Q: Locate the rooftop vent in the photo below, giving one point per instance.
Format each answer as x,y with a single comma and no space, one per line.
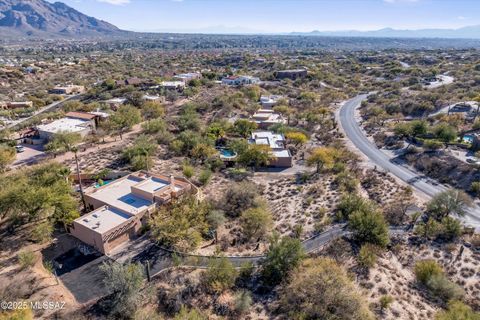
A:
86,220
95,215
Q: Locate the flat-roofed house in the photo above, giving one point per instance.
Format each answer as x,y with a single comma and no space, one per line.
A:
265,118
123,206
80,126
291,74
276,142
187,77
115,103
269,101
68,89
16,104
240,80
173,85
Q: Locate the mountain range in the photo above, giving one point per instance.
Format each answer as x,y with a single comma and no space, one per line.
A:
42,19
470,32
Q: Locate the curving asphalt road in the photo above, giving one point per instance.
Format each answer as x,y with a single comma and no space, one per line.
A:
420,182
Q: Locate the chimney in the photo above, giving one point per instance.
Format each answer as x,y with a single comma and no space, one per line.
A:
172,182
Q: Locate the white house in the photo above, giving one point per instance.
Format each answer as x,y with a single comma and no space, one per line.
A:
269,101
186,77
240,80
173,85
276,142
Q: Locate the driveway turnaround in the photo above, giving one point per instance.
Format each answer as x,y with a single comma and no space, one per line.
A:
402,171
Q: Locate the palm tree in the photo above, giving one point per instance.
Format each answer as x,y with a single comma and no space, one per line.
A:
67,142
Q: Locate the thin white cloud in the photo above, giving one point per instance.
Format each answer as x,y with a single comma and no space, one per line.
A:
115,2
462,18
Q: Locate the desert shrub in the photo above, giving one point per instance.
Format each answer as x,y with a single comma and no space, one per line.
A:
430,274
385,302
181,223
26,259
192,314
321,289
426,269
188,171
205,176
367,256
220,274
243,302
432,145
457,310
282,256
369,227
256,222
239,197
125,282
42,232
350,203
444,289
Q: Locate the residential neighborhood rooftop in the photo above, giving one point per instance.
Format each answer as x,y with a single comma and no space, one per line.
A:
103,219
118,194
65,125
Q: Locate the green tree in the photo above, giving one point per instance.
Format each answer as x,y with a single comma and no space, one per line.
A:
369,227
244,127
448,203
256,155
323,157
429,229
125,282
67,142
321,289
152,110
217,130
445,132
180,224
418,128
154,126
220,274
124,119
284,254
256,222
297,138
139,155
350,203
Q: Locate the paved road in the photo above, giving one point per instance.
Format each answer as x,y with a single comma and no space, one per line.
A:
405,173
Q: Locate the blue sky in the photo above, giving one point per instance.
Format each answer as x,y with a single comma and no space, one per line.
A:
280,15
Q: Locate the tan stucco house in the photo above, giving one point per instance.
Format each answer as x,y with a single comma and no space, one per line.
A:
122,207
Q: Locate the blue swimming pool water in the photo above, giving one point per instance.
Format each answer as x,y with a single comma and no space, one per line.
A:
97,185
468,138
227,153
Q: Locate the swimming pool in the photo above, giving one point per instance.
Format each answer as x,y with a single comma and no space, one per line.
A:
97,185
467,138
227,154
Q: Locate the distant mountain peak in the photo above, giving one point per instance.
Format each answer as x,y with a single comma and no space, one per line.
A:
469,32
44,19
